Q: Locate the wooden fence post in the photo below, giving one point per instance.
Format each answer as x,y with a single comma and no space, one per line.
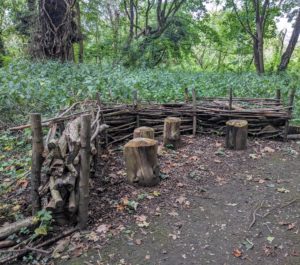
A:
85,151
194,112
278,96
230,98
37,160
290,111
135,106
186,95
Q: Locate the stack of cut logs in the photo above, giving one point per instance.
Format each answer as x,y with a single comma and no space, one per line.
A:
61,167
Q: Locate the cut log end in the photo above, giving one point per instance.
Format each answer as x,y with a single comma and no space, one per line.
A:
236,134
237,123
143,132
141,142
140,156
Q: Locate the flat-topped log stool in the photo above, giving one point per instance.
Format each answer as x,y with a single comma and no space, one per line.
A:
141,162
236,134
143,132
172,131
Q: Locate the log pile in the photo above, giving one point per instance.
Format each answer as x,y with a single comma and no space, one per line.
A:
63,157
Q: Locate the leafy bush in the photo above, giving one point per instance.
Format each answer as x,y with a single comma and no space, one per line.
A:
48,86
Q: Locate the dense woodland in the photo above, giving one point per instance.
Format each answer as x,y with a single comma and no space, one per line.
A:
55,51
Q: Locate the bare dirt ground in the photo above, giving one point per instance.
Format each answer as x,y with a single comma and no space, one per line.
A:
213,206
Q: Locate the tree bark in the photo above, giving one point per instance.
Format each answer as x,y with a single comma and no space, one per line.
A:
285,59
236,134
140,156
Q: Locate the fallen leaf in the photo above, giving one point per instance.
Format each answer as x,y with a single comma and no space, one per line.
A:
156,193
147,257
103,229
253,156
93,237
291,226
23,183
60,247
173,213
181,199
268,150
270,239
140,218
282,190
143,224
138,241
237,253
174,237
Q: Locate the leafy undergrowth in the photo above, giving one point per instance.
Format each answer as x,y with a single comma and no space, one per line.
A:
48,86
15,162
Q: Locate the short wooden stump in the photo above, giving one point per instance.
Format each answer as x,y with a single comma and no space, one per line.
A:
143,132
172,131
236,134
140,155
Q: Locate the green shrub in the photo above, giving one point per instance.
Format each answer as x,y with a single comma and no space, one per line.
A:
48,86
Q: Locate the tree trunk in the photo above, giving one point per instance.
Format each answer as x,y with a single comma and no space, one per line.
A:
57,30
236,134
172,132
291,46
140,156
143,132
81,47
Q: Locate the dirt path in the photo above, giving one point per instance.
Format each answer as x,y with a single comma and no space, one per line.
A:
203,212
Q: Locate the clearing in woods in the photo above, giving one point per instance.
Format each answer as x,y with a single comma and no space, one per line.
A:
213,206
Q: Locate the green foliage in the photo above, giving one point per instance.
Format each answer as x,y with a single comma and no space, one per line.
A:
45,219
48,86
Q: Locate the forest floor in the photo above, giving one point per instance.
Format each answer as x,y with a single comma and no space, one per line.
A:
212,206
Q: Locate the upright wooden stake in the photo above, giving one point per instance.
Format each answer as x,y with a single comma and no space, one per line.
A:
291,100
278,96
135,106
290,111
37,160
186,95
194,114
85,151
230,98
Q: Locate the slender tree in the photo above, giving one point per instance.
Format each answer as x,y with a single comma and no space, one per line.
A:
260,10
285,58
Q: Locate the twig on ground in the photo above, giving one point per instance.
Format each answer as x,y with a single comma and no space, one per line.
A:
38,247
254,214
